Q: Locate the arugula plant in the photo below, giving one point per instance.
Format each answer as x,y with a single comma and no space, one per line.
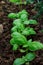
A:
19,33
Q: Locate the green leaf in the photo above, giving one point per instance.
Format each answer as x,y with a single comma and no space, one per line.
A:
30,40
34,46
30,56
26,45
17,22
24,17
27,63
18,61
30,22
19,38
12,41
14,29
22,51
19,25
18,2
28,31
12,15
22,12
14,1
15,47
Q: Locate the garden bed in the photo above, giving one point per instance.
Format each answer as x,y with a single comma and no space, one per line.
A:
7,55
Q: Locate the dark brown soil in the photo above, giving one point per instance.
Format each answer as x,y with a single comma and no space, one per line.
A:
7,55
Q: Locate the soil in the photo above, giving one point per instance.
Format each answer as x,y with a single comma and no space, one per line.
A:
7,55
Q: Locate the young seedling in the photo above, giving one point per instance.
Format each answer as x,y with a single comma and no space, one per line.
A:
28,57
19,37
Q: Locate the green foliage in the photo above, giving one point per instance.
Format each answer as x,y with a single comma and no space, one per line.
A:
15,47
19,38
28,31
18,61
18,15
14,29
24,17
14,1
17,22
18,2
22,50
12,41
18,25
28,57
22,12
19,35
34,46
31,22
12,15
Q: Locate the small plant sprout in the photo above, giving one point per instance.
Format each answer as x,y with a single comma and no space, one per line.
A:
12,15
19,34
28,57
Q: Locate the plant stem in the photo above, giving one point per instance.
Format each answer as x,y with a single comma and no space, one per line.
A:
20,5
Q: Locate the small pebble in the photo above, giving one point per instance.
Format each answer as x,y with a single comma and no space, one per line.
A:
1,28
3,2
